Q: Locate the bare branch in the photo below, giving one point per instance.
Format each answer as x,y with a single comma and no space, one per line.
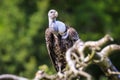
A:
78,60
11,77
109,50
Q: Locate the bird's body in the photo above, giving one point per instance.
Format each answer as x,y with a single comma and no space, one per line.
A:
59,38
57,46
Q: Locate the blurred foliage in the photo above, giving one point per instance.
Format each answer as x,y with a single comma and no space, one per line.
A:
23,23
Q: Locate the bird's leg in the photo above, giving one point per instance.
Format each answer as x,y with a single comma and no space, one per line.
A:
59,65
60,74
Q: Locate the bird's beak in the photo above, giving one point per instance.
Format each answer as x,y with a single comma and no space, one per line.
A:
56,14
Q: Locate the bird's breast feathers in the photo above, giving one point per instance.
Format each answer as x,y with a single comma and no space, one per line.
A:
61,27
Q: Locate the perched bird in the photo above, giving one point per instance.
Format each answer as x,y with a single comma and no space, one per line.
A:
59,38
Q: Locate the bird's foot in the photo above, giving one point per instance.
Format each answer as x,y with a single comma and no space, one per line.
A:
60,74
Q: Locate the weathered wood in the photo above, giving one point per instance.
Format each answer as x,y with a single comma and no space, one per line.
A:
77,61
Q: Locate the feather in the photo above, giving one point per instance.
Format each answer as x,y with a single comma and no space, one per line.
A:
59,38
61,27
57,46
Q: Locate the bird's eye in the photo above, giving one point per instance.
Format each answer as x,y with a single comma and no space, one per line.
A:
51,12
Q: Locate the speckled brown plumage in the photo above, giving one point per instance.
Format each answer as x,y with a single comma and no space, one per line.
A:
57,46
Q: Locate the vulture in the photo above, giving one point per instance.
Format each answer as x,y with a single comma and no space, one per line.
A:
59,38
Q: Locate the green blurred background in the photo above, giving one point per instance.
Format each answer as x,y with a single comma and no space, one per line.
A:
23,23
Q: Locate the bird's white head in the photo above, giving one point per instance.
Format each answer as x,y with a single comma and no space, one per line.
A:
52,14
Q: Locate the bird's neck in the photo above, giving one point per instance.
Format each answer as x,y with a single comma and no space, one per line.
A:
51,21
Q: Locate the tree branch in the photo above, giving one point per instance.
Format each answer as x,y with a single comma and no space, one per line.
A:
11,77
78,60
